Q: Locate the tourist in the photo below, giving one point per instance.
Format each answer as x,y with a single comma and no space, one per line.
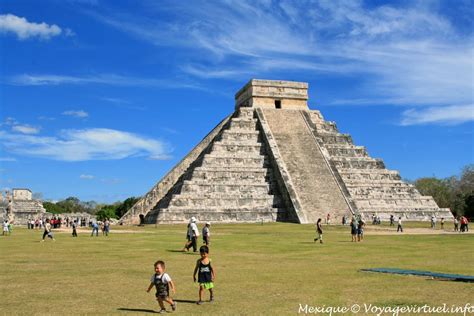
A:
95,228
102,228
107,227
162,282
360,230
206,234
399,227
206,274
456,224
74,227
433,222
319,230
5,228
392,220
442,223
47,231
328,219
464,224
10,228
354,229
193,232
344,220
188,237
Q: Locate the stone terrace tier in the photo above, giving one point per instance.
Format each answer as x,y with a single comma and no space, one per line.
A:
373,188
232,183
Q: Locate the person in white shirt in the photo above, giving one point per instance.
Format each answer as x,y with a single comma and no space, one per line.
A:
399,228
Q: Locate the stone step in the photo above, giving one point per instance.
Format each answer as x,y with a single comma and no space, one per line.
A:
358,163
372,182
232,202
210,160
255,148
330,138
226,175
245,113
229,142
220,195
347,152
369,177
388,209
231,135
221,215
229,188
244,124
395,202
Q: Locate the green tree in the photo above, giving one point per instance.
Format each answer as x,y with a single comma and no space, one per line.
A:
438,189
53,208
107,211
125,206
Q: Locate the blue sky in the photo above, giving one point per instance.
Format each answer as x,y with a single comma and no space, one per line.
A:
99,99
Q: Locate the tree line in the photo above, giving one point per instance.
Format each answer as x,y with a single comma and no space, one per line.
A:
100,210
455,192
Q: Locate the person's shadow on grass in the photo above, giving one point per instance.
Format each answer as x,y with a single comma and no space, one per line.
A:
137,310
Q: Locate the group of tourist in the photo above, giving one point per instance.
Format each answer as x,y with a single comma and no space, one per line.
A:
464,224
192,235
103,225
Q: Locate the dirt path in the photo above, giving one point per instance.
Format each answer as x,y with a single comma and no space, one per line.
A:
377,230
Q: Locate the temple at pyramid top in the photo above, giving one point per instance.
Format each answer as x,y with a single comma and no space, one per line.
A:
273,94
274,159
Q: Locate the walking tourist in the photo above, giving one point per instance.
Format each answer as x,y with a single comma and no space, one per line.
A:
47,231
95,228
399,227
74,227
354,229
319,230
206,234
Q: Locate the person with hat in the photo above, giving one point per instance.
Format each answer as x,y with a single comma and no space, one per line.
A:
193,234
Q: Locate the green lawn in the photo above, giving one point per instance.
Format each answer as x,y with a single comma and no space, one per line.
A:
265,269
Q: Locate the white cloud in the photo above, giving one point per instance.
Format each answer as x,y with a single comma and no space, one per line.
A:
402,54
8,159
86,176
78,113
86,144
455,114
25,129
46,118
105,79
24,29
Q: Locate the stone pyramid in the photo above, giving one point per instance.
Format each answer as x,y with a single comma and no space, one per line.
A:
274,159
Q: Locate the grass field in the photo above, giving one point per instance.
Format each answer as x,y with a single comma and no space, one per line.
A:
261,269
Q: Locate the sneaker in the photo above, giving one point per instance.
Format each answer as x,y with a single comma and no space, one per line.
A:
199,302
162,311
173,307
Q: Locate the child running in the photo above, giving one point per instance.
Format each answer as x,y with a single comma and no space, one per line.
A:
206,275
163,283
